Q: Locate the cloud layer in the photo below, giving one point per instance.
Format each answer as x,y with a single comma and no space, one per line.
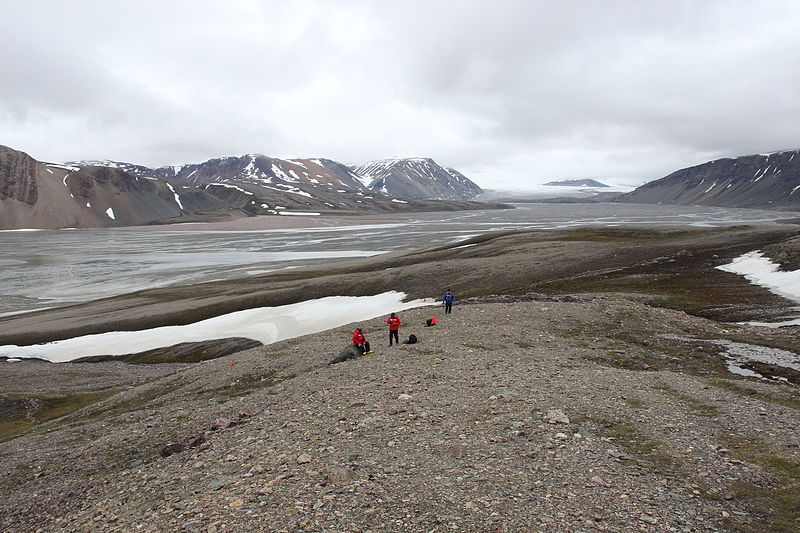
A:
510,92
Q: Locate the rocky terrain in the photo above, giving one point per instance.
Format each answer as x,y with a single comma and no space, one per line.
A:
755,181
556,414
596,403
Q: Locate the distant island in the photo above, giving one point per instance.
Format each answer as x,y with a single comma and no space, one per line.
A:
576,183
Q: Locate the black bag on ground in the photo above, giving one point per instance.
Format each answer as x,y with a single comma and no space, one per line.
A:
412,339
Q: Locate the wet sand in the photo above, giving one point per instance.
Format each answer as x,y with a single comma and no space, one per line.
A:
270,222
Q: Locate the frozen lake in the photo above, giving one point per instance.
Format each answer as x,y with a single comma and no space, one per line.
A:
41,269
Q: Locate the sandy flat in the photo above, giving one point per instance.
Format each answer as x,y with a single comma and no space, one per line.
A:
268,222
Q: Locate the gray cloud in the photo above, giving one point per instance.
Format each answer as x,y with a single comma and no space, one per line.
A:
511,92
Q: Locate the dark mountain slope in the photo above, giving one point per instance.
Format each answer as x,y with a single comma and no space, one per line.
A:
754,181
417,178
42,195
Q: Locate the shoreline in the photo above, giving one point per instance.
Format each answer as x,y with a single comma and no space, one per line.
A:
658,264
270,222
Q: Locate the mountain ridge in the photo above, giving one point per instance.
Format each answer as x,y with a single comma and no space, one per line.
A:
106,193
768,180
417,178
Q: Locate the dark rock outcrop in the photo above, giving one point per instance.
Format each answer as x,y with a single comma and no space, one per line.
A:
17,176
185,352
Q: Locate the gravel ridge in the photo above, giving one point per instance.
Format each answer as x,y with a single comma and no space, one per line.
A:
504,417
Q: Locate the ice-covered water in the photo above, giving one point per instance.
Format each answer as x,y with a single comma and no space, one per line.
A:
47,268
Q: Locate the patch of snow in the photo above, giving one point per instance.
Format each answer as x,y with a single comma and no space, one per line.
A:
177,198
299,213
266,324
88,204
110,213
229,186
399,201
65,167
50,171
712,186
759,270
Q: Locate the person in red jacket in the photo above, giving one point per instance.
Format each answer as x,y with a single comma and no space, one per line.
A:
360,342
394,326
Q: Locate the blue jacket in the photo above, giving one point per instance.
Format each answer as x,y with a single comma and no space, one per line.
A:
449,297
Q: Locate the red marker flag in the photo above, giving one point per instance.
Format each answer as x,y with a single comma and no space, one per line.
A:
433,320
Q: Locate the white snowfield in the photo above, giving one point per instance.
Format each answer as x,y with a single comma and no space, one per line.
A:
758,269
265,324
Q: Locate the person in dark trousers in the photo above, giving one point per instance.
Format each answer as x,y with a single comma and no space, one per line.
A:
394,326
448,300
360,342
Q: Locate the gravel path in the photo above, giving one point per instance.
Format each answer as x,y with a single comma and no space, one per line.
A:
511,421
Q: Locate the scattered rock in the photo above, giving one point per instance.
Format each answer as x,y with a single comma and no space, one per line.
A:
339,474
555,416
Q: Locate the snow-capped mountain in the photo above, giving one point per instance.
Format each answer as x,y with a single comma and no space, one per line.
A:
769,180
416,178
266,171
107,193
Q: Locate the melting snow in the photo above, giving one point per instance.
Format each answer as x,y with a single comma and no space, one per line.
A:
758,269
110,213
266,324
399,201
298,213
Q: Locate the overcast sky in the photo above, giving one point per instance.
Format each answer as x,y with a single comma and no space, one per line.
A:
510,92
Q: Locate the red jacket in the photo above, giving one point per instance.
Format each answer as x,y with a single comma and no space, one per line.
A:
394,323
358,338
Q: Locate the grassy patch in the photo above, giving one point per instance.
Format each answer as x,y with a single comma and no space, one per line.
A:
635,403
476,346
245,385
789,399
18,415
696,406
525,345
776,507
639,446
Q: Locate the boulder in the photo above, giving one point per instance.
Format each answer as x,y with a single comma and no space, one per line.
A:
351,352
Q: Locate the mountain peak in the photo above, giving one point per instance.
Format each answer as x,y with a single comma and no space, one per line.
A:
416,178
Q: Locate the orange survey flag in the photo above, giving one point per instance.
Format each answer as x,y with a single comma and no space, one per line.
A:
433,320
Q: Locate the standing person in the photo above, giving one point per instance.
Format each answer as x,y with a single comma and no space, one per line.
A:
394,326
448,300
360,342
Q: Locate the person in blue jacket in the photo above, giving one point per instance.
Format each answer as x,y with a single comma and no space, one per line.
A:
448,300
